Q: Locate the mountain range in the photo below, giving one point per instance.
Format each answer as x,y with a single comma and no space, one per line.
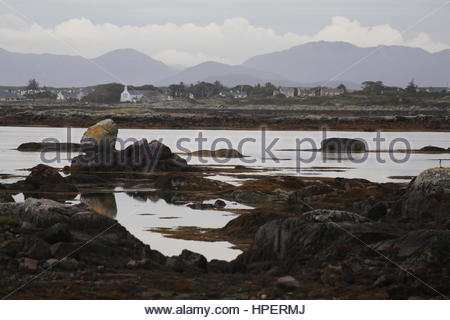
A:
306,65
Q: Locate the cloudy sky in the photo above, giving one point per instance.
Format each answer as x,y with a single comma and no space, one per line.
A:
187,32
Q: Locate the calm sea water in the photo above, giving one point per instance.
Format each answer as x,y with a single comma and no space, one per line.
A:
139,214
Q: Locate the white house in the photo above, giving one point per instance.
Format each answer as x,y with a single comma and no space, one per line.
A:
76,94
135,95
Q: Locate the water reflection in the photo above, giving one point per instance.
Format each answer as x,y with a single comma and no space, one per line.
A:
102,203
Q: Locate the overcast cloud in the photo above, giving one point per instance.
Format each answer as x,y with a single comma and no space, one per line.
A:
232,38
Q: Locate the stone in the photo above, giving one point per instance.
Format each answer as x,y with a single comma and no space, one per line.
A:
42,174
428,196
64,249
343,145
11,247
4,196
68,264
220,204
36,248
100,138
49,147
59,232
433,149
333,275
188,261
288,283
29,264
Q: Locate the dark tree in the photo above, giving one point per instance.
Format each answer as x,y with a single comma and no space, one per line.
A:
33,85
412,87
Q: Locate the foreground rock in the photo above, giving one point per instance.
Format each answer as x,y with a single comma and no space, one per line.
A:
428,196
343,145
45,229
338,248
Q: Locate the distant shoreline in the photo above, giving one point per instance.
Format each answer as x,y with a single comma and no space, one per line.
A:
197,117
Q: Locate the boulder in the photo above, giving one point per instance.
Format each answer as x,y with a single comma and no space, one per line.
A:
188,261
288,283
100,138
317,237
343,145
46,182
432,149
428,196
141,156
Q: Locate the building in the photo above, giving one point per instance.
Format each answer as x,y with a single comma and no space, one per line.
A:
330,92
288,92
434,89
71,95
136,96
10,96
238,94
391,90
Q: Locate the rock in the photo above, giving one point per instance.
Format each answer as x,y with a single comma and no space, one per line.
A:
314,238
100,138
377,212
201,206
68,264
5,197
42,213
288,283
49,184
59,232
428,196
188,261
343,145
64,249
433,149
49,147
220,153
11,247
29,264
36,248
220,204
42,175
141,156
419,249
333,275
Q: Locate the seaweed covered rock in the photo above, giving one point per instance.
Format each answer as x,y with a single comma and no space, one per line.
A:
428,195
343,145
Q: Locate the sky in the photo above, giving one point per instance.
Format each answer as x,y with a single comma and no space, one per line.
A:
188,32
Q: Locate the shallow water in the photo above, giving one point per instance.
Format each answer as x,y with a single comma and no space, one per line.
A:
133,212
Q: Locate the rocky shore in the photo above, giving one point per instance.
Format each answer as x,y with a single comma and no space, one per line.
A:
350,118
303,238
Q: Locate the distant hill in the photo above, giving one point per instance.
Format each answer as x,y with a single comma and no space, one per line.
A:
211,71
307,65
128,65
320,61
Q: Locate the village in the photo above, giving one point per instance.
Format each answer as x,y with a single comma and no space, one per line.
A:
123,93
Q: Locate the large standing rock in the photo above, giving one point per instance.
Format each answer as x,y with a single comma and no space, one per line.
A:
428,196
343,145
317,237
101,137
